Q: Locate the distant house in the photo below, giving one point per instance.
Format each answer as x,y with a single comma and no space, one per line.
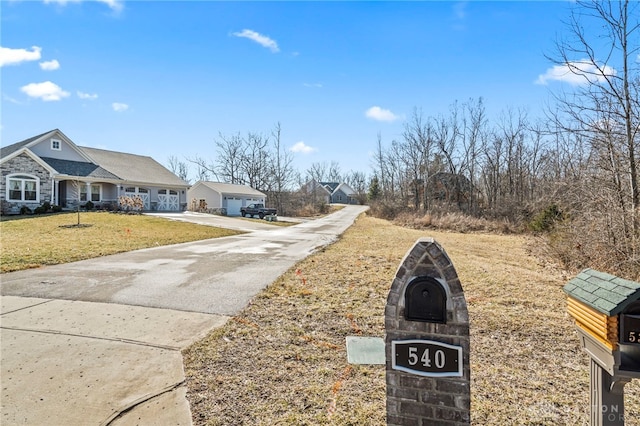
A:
330,192
51,168
341,193
449,187
226,198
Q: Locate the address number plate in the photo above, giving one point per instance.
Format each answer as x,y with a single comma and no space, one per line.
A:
426,358
630,330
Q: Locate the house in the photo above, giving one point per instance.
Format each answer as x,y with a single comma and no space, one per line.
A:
226,198
341,193
329,192
315,193
51,168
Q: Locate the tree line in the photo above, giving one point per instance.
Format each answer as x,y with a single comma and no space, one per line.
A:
262,162
572,173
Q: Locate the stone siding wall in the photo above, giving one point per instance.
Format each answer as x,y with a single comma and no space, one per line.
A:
24,164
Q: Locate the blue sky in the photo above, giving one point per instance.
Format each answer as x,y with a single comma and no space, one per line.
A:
163,78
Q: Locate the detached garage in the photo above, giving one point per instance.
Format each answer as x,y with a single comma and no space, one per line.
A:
222,197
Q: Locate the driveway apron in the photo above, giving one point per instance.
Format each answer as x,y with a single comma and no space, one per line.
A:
99,341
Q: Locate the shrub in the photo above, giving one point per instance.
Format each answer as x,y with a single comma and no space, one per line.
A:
25,210
384,210
88,206
546,219
56,209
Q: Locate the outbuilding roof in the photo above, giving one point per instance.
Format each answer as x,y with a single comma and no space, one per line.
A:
231,188
604,292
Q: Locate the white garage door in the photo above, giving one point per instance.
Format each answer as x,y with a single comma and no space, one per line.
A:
233,206
168,199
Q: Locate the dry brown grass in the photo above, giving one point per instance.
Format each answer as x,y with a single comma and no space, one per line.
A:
34,241
282,361
457,222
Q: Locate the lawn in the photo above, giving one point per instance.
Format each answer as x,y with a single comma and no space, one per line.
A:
34,241
282,360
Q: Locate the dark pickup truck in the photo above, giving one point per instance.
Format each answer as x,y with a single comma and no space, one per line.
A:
257,210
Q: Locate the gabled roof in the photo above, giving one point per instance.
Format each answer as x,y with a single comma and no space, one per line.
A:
132,167
230,188
345,188
100,164
8,150
604,292
28,143
331,186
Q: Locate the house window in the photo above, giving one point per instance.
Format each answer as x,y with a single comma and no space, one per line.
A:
95,193
22,188
56,145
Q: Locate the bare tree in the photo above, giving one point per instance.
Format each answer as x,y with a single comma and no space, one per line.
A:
231,152
358,182
282,172
255,161
604,111
334,174
178,168
475,128
416,152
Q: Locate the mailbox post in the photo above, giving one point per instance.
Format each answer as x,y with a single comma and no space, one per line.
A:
606,310
427,341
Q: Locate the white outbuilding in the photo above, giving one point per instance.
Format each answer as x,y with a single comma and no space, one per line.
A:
222,197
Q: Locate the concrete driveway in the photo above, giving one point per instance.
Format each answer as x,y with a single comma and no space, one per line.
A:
98,342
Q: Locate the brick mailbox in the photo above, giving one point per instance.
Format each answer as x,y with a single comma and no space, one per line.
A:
427,341
606,310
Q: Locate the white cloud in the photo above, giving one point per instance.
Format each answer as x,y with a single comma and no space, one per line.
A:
115,5
10,99
302,147
50,65
576,73
262,40
317,85
379,114
47,91
119,107
10,56
89,96
460,10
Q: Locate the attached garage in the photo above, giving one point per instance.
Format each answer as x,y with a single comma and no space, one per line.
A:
168,199
225,198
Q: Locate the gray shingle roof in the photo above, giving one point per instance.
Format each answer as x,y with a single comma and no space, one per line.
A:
604,292
80,169
10,149
106,165
230,188
133,168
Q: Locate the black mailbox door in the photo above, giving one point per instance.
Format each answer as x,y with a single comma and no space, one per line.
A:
630,324
425,300
630,329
